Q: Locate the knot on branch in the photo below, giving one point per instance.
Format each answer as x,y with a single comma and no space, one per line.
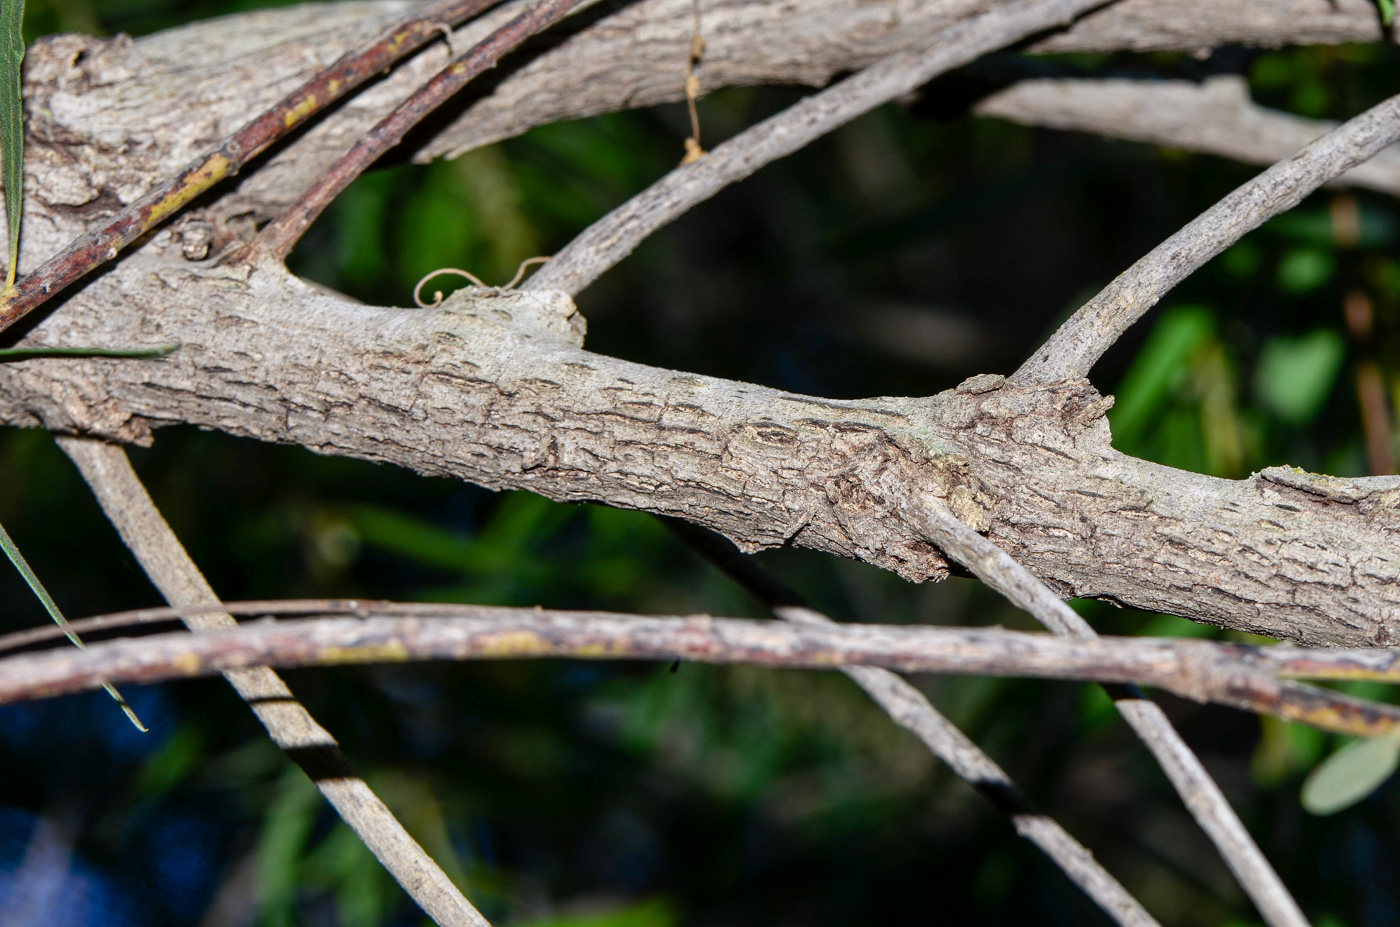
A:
550,313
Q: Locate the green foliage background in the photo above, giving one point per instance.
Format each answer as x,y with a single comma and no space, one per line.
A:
904,253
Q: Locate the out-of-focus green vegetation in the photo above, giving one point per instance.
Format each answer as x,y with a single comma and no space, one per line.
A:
900,255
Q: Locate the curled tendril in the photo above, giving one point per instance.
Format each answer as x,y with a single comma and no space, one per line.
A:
437,294
520,271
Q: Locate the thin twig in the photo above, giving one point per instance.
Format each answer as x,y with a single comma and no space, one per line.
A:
95,248
1216,116
911,709
125,501
1085,336
617,234
1198,790
278,238
1281,660
1190,669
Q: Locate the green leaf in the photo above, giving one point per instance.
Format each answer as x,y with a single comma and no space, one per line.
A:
1159,363
1303,270
1387,11
1350,774
42,594
12,126
17,354
1295,375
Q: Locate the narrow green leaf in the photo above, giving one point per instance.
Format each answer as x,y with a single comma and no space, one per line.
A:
12,125
42,594
14,354
1387,11
1350,774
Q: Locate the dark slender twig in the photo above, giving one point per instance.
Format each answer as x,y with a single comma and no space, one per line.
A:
280,235
95,248
617,234
1094,328
149,538
911,709
1188,775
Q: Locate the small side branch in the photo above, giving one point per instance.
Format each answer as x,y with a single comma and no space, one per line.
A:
1091,331
95,248
279,236
616,235
1188,775
125,501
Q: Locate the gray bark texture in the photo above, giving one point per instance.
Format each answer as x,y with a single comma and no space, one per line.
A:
496,388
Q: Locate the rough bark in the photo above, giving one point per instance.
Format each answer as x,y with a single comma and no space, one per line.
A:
497,390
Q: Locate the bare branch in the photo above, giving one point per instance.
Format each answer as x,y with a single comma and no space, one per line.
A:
617,234
1371,664
125,501
911,710
1198,670
1193,783
1080,341
1214,117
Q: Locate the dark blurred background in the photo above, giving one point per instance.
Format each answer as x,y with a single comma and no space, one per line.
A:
898,256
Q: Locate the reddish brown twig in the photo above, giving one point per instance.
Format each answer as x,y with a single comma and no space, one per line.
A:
280,235
95,248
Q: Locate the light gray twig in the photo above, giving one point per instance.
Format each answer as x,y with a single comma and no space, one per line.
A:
617,234
1198,790
1085,336
911,710
1216,116
146,533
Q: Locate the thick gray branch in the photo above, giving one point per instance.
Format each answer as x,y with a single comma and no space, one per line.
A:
495,390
